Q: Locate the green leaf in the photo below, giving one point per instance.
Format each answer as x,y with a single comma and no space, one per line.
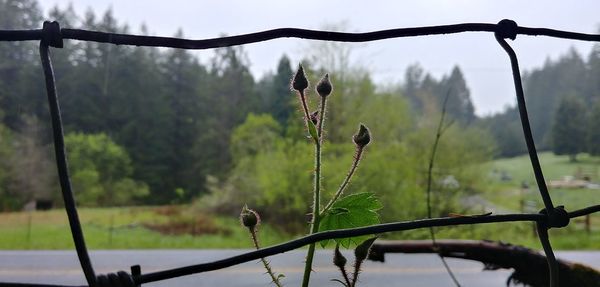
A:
351,211
312,130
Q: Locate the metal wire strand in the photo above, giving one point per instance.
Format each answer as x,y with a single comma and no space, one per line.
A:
542,232
153,41
62,166
507,29
535,162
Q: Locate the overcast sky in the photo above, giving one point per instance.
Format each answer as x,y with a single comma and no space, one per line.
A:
485,65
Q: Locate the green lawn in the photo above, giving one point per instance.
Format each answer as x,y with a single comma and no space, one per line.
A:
50,230
508,193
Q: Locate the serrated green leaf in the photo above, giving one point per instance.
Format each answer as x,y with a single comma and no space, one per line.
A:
351,211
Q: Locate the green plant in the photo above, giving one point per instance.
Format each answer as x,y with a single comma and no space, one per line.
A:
341,211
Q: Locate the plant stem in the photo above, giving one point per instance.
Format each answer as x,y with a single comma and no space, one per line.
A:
357,265
315,218
345,275
304,107
338,193
440,130
264,261
317,193
321,118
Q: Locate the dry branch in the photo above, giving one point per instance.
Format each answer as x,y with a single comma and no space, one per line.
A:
530,266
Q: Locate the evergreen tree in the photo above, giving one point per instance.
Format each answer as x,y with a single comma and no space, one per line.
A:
230,97
275,92
545,88
593,140
459,104
18,59
182,75
413,78
569,128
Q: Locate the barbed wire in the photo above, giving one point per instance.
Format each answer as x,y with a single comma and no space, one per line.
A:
52,35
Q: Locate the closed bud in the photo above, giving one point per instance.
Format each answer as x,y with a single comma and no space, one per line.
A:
249,218
314,117
338,258
362,250
324,86
300,83
363,137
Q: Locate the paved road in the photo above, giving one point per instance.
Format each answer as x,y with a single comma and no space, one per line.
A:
61,267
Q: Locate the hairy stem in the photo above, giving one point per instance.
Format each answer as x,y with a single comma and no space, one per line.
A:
345,275
340,191
357,266
263,260
322,118
304,107
316,216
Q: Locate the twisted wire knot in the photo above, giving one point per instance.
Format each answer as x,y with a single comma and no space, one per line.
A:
120,279
558,218
507,29
51,35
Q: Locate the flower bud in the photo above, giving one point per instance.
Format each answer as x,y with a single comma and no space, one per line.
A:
249,218
363,137
338,258
362,250
300,83
314,117
324,86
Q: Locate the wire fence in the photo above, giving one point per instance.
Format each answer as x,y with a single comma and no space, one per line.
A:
52,35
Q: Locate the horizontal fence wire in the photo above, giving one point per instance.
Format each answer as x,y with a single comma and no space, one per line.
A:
53,36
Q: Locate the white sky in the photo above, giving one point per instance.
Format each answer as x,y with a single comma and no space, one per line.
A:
485,65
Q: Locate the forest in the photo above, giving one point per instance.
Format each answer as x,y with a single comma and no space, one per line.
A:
149,126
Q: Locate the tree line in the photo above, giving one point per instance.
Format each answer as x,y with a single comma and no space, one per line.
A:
156,126
563,101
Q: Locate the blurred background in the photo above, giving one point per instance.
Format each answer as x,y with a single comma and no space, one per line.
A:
165,146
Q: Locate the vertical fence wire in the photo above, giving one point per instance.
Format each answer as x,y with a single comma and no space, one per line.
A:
63,170
52,35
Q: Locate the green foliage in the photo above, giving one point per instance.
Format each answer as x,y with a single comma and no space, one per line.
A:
459,156
569,128
101,171
275,92
593,133
426,94
355,210
8,200
259,133
392,173
506,130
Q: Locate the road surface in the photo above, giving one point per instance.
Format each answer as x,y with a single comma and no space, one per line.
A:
62,267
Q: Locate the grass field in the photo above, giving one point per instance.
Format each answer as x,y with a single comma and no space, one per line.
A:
507,194
50,230
184,227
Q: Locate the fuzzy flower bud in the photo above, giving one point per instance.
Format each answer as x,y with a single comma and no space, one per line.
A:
338,258
324,86
249,218
300,82
362,250
363,137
